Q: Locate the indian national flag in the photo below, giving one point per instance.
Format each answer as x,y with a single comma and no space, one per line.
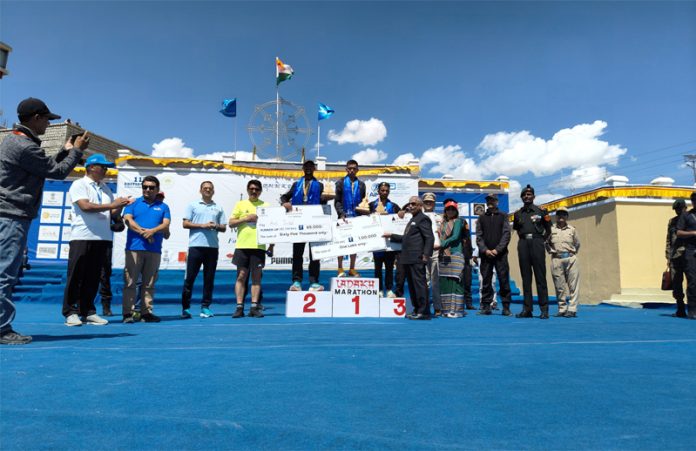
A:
283,71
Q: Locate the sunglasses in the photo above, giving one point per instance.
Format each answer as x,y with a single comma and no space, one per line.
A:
149,187
253,188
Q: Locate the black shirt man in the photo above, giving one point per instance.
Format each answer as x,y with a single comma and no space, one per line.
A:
686,230
492,239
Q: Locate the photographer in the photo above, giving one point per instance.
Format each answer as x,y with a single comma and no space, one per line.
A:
24,166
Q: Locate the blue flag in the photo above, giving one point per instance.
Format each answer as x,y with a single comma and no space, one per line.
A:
229,108
325,112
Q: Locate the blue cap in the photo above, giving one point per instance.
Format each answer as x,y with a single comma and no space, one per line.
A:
100,159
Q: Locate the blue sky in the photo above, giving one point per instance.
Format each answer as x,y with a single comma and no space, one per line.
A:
557,94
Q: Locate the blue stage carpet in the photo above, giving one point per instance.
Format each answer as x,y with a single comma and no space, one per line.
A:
611,379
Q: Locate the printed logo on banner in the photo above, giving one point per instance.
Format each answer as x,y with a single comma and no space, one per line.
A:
52,199
47,250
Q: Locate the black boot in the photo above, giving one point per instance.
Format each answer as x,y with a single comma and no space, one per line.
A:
681,309
506,309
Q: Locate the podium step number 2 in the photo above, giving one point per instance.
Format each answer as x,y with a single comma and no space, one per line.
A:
316,304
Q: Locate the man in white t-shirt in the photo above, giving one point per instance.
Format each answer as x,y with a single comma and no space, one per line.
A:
93,205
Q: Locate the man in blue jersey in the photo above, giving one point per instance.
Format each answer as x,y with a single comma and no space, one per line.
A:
148,224
350,191
204,219
305,191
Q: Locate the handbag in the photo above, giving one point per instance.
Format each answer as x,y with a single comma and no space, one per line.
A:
667,280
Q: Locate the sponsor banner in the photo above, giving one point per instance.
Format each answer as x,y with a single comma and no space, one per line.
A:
303,224
351,236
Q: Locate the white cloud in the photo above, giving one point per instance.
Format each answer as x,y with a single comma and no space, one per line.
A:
403,159
366,133
451,160
582,177
171,147
578,148
517,153
369,156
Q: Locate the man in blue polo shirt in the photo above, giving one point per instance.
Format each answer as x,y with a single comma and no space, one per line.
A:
148,224
204,219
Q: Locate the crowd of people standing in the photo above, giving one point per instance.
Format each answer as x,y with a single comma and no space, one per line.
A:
436,262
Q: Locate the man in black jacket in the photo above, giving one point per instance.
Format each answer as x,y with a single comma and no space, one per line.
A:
416,248
492,239
533,226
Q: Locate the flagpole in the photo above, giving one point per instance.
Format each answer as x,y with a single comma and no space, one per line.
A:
277,123
318,136
277,112
235,135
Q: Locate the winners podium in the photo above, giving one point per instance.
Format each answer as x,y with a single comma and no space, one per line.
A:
349,297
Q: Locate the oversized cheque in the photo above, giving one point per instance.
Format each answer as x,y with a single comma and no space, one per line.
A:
352,236
395,226
303,224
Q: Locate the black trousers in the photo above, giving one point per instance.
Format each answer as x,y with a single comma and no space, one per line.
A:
532,257
502,270
197,256
105,279
467,279
387,260
400,278
297,260
677,268
690,274
85,262
417,287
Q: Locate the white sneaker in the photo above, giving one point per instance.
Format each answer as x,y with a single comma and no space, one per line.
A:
391,294
73,320
96,320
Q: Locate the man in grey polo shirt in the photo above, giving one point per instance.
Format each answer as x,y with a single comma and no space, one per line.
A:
93,206
204,219
24,166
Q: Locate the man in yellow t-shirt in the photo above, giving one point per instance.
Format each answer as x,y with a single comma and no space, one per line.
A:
249,256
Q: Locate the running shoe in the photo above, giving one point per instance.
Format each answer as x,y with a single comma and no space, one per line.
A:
296,286
316,287
206,313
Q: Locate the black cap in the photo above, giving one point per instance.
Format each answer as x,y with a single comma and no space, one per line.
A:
492,196
527,188
308,162
32,106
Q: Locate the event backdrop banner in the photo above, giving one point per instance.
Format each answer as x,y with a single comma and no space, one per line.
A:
181,186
